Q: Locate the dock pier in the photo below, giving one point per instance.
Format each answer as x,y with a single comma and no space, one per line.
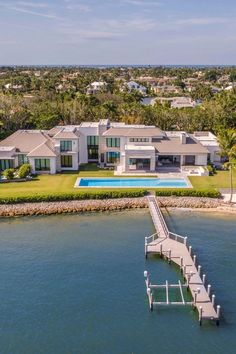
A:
174,248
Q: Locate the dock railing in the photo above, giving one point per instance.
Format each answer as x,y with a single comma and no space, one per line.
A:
149,239
163,223
178,238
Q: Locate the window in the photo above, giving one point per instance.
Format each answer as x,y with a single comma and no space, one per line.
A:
4,164
22,159
113,157
42,164
139,140
113,142
93,145
66,145
66,161
92,140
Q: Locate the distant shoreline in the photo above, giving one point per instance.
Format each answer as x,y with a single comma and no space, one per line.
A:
104,66
81,206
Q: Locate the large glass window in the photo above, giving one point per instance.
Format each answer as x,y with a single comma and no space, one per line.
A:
4,164
42,164
22,159
113,142
113,157
66,161
66,145
93,146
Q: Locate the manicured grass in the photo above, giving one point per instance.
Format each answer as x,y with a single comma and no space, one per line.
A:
49,184
64,183
220,180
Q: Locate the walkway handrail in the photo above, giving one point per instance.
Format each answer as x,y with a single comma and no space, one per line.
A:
165,228
151,238
177,237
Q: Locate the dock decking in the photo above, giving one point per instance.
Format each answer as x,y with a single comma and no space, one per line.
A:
174,248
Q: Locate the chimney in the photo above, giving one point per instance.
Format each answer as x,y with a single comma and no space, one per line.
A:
183,138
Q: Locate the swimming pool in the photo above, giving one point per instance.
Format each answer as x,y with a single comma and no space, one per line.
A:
132,183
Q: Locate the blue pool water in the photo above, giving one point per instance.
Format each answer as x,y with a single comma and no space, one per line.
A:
132,182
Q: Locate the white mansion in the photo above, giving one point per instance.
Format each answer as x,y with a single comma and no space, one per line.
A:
126,147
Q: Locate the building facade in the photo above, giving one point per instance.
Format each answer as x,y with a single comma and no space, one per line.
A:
127,148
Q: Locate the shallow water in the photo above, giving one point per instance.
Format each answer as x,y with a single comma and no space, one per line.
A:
74,284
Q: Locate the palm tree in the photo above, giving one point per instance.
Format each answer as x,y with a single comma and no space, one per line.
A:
227,142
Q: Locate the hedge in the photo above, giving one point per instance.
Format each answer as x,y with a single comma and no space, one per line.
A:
207,193
36,198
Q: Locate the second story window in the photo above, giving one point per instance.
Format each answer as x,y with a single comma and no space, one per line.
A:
139,140
93,147
113,142
66,145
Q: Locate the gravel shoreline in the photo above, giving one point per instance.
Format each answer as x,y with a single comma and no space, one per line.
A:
80,206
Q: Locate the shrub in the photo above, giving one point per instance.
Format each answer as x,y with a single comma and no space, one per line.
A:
73,196
24,170
207,193
9,173
211,170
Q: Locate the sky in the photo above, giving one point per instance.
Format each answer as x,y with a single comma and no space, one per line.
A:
97,32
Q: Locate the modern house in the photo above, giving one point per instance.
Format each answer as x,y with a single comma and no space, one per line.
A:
96,87
134,86
127,148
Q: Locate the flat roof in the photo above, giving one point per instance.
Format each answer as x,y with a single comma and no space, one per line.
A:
173,146
134,132
140,147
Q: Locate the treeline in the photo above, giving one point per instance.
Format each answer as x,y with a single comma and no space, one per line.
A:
37,103
47,110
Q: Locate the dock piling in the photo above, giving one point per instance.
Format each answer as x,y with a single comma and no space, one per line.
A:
208,290
213,300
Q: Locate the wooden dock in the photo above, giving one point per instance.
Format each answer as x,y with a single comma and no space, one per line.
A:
174,248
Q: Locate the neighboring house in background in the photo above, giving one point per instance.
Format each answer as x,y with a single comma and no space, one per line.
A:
230,87
169,89
96,87
183,102
13,87
134,86
126,147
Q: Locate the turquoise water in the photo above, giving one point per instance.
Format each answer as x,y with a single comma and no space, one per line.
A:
133,182
74,284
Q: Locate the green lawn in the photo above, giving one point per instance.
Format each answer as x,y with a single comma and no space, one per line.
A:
220,180
49,184
64,183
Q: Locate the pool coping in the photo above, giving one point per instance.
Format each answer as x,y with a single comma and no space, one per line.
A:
185,178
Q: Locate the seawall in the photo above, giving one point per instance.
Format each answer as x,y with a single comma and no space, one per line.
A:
78,206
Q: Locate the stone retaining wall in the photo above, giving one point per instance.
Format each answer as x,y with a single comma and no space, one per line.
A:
77,206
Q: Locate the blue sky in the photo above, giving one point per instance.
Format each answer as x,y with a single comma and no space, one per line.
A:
117,32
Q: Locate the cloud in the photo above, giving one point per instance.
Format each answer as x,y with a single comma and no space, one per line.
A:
35,13
36,5
202,21
142,3
80,7
22,8
104,30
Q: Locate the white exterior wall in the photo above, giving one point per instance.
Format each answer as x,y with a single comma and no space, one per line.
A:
83,151
214,152
201,160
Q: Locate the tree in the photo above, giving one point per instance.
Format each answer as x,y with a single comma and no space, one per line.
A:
227,142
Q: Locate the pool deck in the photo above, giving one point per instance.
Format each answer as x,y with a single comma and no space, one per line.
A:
174,248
